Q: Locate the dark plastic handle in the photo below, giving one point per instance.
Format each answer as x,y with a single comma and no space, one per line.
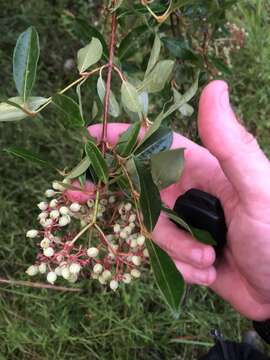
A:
204,211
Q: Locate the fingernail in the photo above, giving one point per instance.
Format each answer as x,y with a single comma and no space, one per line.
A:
197,255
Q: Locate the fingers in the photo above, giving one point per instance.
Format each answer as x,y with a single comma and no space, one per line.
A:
239,155
181,246
192,275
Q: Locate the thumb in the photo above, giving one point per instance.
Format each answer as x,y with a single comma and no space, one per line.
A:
237,151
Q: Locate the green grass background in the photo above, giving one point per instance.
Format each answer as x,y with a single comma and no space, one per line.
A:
132,323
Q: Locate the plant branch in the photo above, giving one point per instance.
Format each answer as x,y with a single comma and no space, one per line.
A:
108,83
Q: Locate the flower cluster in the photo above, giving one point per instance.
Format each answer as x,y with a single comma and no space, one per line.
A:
98,239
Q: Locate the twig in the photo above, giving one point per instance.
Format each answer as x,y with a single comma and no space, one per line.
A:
37,285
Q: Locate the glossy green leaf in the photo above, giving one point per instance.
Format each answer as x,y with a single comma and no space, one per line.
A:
150,201
128,139
154,55
97,161
79,169
130,97
25,59
10,112
159,141
89,55
70,110
168,278
29,155
179,49
144,102
186,109
114,108
167,167
131,42
176,219
156,80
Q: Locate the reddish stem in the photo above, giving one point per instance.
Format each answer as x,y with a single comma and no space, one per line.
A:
108,83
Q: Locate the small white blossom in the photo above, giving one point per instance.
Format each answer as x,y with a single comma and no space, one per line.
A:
90,203
75,268
45,243
73,278
136,260
57,186
111,199
48,223
32,270
123,235
53,203
42,206
132,218
102,280
135,273
58,271
106,275
75,207
65,272
94,275
146,253
42,268
66,181
133,243
32,234
116,228
64,210
104,201
114,285
141,240
64,220
51,277
49,193
98,268
127,278
54,214
92,252
128,206
132,225
99,215
48,252
43,215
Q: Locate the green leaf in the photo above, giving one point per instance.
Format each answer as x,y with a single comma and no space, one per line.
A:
25,59
154,55
10,112
159,141
144,102
70,110
179,49
156,80
167,167
186,109
130,97
97,161
89,55
168,278
29,155
131,42
128,139
79,169
150,202
173,216
114,108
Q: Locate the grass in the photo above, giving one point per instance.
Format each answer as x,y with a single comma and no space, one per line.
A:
134,323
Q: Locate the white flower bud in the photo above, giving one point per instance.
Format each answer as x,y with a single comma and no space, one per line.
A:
53,203
49,193
128,206
102,208
48,223
32,234
66,181
99,214
128,230
58,271
73,278
104,202
57,186
127,278
75,268
123,235
111,199
45,243
32,270
43,215
146,253
141,240
98,268
54,214
136,260
42,268
64,210
65,272
64,220
90,203
132,225
114,285
106,275
48,252
92,252
135,273
133,243
94,275
116,228
51,277
75,207
42,206
101,280
111,256
132,218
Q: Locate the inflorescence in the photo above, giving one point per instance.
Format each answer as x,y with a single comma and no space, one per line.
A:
98,239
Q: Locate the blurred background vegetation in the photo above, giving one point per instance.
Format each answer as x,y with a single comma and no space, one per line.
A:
132,323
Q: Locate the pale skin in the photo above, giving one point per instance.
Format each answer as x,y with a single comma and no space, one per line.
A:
232,167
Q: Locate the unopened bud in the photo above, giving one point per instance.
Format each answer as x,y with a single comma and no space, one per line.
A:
114,285
75,207
48,252
135,273
32,234
98,268
43,206
51,277
32,270
75,268
64,220
49,193
92,252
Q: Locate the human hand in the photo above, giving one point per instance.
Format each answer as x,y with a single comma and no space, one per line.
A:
234,169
